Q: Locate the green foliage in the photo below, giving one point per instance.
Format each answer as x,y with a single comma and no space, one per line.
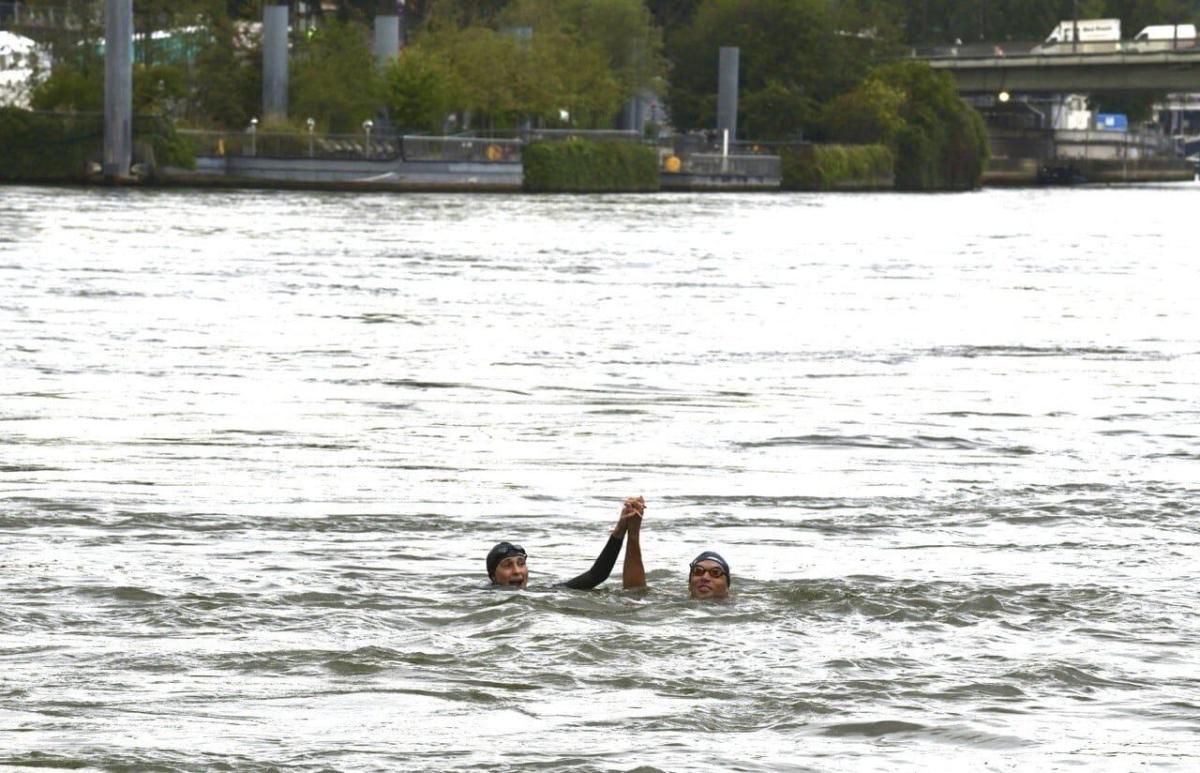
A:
45,147
943,144
583,166
795,54
70,88
832,167
226,87
170,149
623,31
159,88
868,113
334,78
419,90
502,80
485,66
566,75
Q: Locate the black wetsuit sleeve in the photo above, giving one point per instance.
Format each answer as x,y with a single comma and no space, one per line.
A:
601,569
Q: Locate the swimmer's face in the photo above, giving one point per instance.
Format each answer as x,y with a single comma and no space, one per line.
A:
708,581
512,572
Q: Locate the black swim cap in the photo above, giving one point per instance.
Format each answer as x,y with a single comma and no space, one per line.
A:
710,555
502,551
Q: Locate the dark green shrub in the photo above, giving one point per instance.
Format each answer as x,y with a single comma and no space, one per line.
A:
170,149
584,166
940,141
943,144
56,147
39,147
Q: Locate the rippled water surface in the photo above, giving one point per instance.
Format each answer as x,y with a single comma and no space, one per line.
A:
254,447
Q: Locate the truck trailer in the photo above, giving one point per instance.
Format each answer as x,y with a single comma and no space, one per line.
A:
1089,31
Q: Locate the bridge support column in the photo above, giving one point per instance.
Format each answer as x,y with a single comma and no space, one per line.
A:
387,31
275,60
727,91
118,88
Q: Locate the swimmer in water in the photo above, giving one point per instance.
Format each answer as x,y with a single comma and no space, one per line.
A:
507,564
708,574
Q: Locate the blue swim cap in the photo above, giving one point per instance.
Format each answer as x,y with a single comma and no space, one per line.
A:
712,555
501,551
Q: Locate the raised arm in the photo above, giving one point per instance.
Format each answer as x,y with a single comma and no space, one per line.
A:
633,574
604,563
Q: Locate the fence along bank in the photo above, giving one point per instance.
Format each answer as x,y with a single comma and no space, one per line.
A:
418,162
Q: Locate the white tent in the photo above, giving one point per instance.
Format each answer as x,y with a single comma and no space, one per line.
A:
21,60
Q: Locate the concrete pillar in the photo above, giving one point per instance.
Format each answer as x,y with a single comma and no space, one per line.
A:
118,88
727,91
387,31
633,116
275,60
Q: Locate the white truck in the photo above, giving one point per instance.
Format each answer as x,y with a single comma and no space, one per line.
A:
1089,31
1167,32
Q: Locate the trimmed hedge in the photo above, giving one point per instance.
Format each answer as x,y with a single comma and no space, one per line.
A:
585,166
56,147
837,167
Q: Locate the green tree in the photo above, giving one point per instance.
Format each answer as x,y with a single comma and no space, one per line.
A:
672,14
420,90
486,65
70,88
870,113
568,76
943,143
334,78
226,79
623,30
792,55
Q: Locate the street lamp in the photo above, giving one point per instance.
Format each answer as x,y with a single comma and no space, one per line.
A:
368,125
253,136
312,124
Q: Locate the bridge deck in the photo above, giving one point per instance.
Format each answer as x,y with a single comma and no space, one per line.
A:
1125,66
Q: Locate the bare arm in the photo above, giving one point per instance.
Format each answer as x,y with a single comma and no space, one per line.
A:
604,563
633,574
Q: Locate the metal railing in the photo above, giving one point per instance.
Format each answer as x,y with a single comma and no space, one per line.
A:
581,134
353,147
745,159
717,165
461,149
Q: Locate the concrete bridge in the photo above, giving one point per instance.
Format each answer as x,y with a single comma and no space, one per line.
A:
1159,66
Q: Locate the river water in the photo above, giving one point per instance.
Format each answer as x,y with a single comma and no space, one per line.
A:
254,447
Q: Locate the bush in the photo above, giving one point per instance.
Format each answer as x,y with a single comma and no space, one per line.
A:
940,141
943,144
583,166
56,147
45,148
834,167
170,149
